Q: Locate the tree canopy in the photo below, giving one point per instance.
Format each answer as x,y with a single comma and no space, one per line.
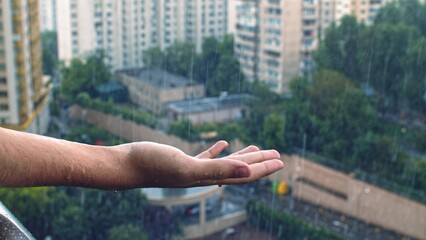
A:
216,66
385,57
82,75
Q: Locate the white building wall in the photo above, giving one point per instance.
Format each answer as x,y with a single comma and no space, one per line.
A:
47,15
63,12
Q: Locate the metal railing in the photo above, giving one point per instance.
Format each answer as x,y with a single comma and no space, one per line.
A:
11,228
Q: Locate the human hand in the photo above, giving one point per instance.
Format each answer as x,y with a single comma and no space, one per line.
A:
158,165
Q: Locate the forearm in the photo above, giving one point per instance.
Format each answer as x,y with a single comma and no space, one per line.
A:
32,160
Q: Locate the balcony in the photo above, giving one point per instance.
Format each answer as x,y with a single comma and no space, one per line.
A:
18,45
309,27
21,71
16,4
312,3
308,48
20,58
310,16
17,18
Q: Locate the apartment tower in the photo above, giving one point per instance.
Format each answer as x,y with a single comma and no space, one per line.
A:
334,10
23,91
275,39
124,28
268,40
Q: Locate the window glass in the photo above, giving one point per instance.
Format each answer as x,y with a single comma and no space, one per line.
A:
338,87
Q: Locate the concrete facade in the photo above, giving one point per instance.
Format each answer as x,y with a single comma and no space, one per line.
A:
323,186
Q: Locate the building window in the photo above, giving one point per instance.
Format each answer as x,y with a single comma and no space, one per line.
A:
2,80
308,11
272,53
275,11
4,107
3,94
273,21
4,120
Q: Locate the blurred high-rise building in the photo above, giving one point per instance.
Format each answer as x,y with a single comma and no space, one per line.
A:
124,29
268,39
334,10
23,90
275,39
47,14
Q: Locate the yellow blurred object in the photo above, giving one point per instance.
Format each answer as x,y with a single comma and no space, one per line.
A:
282,188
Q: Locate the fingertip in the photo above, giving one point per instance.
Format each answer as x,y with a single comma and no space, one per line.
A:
253,148
277,164
222,142
276,154
242,172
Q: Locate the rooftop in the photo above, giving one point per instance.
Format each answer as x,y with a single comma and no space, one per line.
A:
159,78
110,87
209,104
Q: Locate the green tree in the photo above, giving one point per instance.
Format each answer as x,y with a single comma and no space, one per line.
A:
154,57
370,56
227,77
50,52
273,132
105,209
341,47
330,113
84,75
263,103
409,12
70,223
378,154
32,206
183,129
126,232
231,131
180,59
208,60
384,66
414,82
220,69
216,66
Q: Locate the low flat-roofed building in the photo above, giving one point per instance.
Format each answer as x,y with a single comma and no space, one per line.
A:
152,88
213,109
